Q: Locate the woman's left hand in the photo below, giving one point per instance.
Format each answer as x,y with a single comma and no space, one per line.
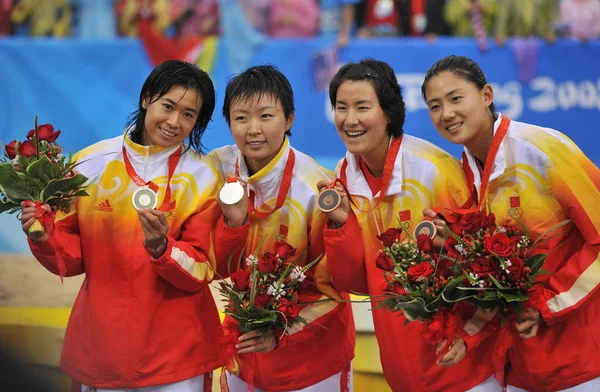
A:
528,328
155,226
256,342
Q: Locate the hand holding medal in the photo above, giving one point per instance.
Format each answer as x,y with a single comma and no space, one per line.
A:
433,226
233,199
333,200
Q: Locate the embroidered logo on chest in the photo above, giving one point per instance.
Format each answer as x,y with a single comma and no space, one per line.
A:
515,206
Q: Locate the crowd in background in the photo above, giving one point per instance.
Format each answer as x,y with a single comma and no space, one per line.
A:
340,19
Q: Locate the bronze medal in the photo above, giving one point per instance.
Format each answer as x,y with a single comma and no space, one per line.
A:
426,227
329,199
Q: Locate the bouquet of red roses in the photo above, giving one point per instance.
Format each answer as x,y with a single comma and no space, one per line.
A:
500,263
36,171
264,295
421,283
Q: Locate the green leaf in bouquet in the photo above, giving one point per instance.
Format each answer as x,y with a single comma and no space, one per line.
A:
496,282
417,308
513,296
62,186
6,205
12,185
40,168
536,262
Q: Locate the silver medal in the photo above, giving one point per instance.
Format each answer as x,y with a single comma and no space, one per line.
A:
144,198
231,193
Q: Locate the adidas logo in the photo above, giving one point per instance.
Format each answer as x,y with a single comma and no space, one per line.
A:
104,206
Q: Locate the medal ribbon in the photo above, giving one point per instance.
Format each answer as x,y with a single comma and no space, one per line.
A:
388,169
284,187
166,205
485,177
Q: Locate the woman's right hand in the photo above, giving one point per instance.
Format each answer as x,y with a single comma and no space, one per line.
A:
28,217
236,214
340,215
439,223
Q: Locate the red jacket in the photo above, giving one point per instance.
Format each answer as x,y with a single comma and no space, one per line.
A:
138,321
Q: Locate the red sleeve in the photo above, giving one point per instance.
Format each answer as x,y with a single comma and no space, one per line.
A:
229,247
185,263
345,254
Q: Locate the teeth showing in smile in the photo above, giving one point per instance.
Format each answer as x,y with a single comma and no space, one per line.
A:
254,144
453,126
167,133
355,133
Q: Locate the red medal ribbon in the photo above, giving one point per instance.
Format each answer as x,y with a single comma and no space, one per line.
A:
485,177
166,205
388,169
284,187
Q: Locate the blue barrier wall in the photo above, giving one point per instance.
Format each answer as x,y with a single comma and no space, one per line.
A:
88,88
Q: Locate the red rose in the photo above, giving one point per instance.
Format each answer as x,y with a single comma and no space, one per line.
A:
241,280
444,267
449,245
284,250
470,223
290,309
384,262
499,244
390,236
515,269
268,262
488,220
11,149
483,267
27,149
424,243
422,270
45,132
262,300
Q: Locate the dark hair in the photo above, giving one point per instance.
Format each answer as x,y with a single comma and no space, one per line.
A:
461,66
255,82
163,78
383,79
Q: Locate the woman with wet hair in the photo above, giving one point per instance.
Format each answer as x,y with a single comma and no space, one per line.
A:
539,175
391,177
144,319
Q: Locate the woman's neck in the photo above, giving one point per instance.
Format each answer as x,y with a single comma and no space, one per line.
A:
479,146
375,160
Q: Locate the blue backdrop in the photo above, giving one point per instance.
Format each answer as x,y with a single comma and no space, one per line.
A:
88,88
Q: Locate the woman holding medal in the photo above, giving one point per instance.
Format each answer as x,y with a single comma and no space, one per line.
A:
392,177
259,109
144,319
539,175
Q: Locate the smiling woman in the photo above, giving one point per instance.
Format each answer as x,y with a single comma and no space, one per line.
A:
152,266
391,177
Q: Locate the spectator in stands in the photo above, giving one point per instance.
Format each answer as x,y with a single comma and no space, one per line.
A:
435,21
130,11
459,14
6,27
518,18
195,17
295,18
580,18
337,17
45,17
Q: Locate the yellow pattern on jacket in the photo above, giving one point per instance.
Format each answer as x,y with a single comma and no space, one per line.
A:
300,360
138,321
